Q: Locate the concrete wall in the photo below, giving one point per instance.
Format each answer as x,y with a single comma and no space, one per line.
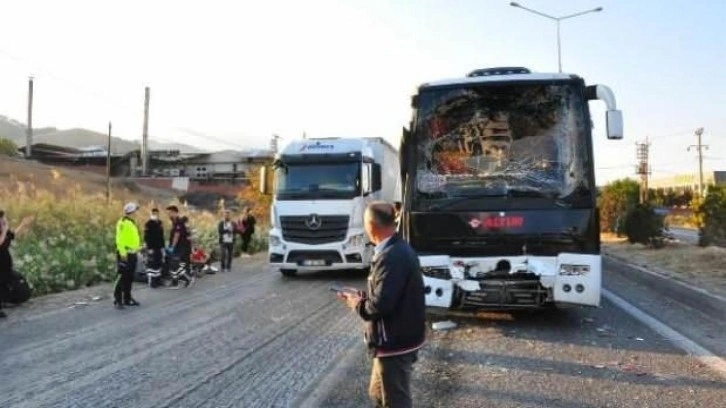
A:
194,186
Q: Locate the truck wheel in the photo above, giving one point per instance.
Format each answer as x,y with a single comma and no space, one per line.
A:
289,273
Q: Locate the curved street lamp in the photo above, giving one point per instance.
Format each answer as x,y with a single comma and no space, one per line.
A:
557,19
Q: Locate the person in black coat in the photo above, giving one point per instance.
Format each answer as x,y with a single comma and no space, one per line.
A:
226,231
6,259
154,239
248,223
393,309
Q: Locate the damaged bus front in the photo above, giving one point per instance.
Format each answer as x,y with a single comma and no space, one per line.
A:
499,189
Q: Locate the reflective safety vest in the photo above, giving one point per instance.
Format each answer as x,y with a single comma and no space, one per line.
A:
128,239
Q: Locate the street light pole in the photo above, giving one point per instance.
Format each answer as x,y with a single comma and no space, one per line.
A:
557,20
559,49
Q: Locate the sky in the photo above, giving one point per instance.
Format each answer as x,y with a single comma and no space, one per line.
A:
229,74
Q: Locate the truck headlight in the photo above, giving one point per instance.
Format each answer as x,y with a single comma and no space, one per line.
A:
357,240
574,270
275,240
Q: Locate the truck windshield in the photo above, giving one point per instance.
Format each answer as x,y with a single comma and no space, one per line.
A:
523,140
315,181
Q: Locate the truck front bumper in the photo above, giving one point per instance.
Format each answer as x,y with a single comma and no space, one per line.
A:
330,256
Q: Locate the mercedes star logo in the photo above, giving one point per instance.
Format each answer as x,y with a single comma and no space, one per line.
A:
314,222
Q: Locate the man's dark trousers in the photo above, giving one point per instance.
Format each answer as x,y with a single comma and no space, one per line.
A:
156,259
126,270
390,385
227,250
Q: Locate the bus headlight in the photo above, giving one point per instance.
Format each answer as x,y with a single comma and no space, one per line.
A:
574,270
275,240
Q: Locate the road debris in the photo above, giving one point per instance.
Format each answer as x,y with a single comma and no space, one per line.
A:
445,325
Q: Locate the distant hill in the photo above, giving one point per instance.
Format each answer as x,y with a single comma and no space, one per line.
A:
78,138
15,131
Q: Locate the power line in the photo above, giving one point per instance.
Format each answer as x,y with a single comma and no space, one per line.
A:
115,103
677,133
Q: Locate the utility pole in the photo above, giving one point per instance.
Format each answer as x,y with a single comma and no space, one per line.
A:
29,130
108,166
145,136
643,168
700,147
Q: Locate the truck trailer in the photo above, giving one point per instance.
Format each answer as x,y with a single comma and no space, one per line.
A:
499,196
320,190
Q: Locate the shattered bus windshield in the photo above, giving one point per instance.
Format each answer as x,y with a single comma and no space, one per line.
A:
502,140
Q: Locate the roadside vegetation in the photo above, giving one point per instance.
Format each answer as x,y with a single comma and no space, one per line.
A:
632,231
8,147
70,242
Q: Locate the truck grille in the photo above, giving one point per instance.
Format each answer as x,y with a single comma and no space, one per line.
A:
332,228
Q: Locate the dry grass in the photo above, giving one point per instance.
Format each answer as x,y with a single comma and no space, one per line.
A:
704,267
70,244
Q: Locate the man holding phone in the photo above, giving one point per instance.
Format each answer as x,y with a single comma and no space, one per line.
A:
393,309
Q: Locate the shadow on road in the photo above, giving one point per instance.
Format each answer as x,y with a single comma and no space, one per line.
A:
606,327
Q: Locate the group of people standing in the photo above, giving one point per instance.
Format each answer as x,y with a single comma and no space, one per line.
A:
228,229
179,245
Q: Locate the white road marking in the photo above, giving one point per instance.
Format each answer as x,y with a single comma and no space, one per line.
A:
689,346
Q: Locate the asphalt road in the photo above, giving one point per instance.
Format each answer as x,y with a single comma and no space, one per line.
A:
250,338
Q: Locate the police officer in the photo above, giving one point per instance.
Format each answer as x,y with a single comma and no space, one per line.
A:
128,243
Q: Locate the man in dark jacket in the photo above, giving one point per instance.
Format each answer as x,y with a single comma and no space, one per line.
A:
393,309
154,240
248,229
226,232
180,245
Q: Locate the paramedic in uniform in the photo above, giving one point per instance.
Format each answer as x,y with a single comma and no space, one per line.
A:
179,243
128,244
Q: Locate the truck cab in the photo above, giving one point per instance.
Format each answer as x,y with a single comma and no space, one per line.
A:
320,190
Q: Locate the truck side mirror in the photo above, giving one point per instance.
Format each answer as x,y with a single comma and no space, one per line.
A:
264,180
614,124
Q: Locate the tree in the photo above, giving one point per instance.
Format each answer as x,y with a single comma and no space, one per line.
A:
644,226
614,202
251,196
711,216
8,147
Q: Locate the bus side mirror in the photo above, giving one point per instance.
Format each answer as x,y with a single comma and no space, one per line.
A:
265,186
614,124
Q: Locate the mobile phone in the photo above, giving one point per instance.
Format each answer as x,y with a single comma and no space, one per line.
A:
338,288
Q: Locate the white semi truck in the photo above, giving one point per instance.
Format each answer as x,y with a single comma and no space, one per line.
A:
499,196
320,190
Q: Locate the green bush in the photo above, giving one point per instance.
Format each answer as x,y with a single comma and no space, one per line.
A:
614,202
711,213
70,244
8,147
643,226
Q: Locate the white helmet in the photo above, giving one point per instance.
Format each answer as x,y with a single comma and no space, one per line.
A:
130,208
